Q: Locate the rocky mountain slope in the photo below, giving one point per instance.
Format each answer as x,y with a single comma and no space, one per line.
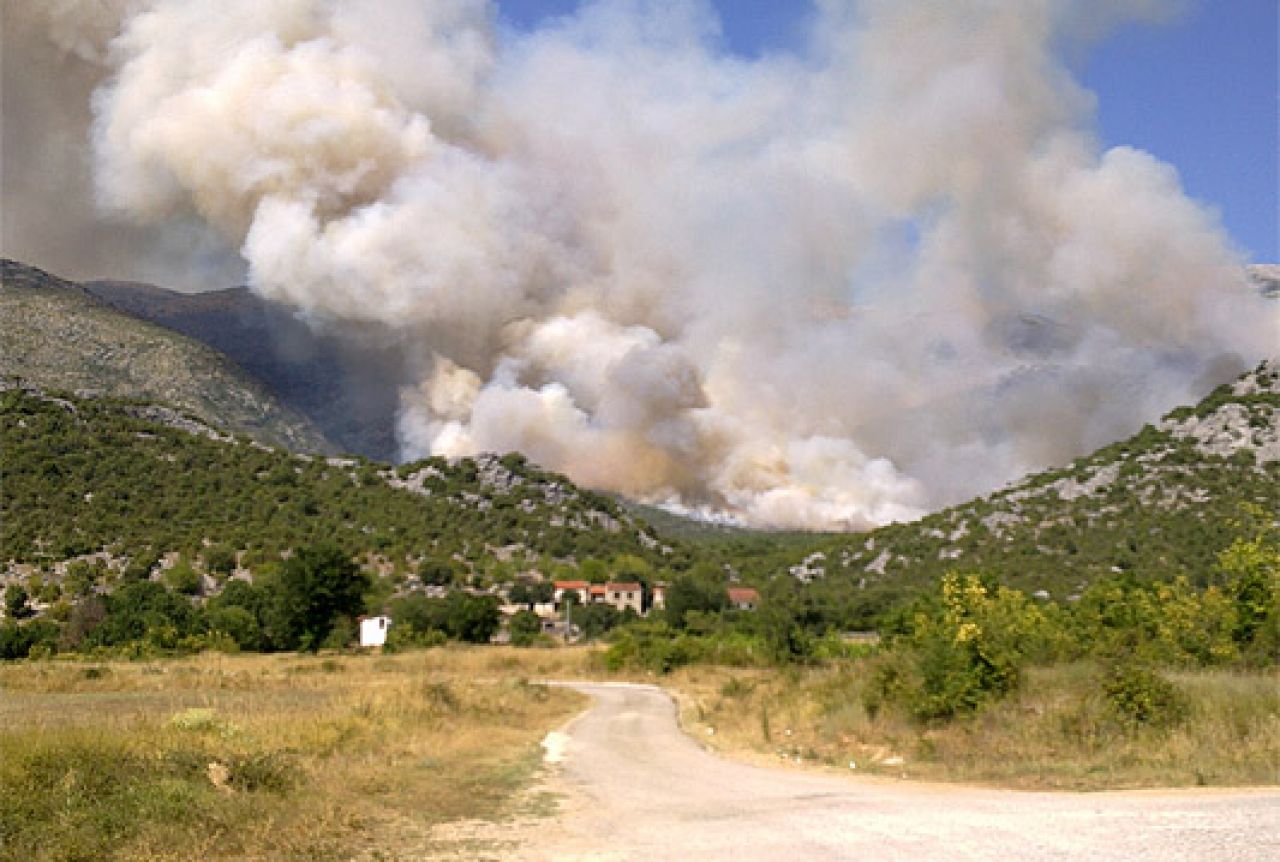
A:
57,335
123,480
1161,504
344,379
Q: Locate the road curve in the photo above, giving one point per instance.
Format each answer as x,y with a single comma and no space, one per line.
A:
637,788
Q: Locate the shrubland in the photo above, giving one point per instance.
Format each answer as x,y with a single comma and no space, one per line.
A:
119,486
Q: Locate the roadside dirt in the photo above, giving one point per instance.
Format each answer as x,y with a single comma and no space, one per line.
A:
632,786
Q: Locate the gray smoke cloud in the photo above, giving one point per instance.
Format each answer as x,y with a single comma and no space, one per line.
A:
53,55
829,289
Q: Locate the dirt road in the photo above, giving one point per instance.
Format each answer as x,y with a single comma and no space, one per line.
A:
637,788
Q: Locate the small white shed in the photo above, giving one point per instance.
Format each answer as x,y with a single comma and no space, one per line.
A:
373,631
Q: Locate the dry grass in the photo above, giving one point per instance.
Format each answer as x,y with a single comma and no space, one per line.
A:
1057,732
267,757
368,757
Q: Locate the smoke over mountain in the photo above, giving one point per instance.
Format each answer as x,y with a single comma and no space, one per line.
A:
827,289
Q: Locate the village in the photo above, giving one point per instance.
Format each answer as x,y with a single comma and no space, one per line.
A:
554,603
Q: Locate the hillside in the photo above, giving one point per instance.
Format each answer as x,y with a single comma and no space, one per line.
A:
1161,504
84,475
345,380
57,335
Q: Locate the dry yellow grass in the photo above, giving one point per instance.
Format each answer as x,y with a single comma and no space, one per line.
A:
1055,733
267,757
292,757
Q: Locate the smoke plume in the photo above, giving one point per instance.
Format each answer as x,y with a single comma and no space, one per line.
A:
829,288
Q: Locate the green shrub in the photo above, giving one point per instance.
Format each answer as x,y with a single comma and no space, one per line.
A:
1139,695
964,650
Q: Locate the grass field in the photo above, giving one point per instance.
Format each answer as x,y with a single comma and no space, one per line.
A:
288,757
256,757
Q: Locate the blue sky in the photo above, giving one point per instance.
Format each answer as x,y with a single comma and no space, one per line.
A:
1199,92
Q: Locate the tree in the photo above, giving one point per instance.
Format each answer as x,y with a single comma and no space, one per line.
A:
1251,569
597,619
436,573
15,602
520,595
145,611
237,623
594,571
469,618
525,628
219,560
700,589
317,585
181,578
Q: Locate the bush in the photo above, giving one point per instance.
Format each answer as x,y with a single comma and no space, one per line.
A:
181,578
649,645
1139,695
956,654
404,636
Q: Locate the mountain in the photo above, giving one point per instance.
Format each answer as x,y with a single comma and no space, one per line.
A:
57,335
1161,504
89,476
345,379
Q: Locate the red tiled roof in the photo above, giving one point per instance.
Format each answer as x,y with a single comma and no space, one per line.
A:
571,585
597,589
622,587
743,594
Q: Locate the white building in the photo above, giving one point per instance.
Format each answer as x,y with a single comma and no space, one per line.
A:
373,631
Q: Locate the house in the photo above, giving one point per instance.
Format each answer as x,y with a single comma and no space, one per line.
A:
625,596
744,598
373,631
563,587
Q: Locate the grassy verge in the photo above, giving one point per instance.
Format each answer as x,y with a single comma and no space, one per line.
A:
290,757
1057,732
265,757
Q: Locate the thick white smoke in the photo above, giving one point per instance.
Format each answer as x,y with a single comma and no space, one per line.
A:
820,290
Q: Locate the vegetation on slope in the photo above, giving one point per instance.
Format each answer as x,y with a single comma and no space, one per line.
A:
137,481
1162,504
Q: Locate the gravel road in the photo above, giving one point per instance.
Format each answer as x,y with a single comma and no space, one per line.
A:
637,788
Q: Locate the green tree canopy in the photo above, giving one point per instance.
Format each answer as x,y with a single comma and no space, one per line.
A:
317,585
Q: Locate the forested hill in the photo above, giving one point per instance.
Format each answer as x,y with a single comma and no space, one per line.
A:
58,335
135,480
1161,504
